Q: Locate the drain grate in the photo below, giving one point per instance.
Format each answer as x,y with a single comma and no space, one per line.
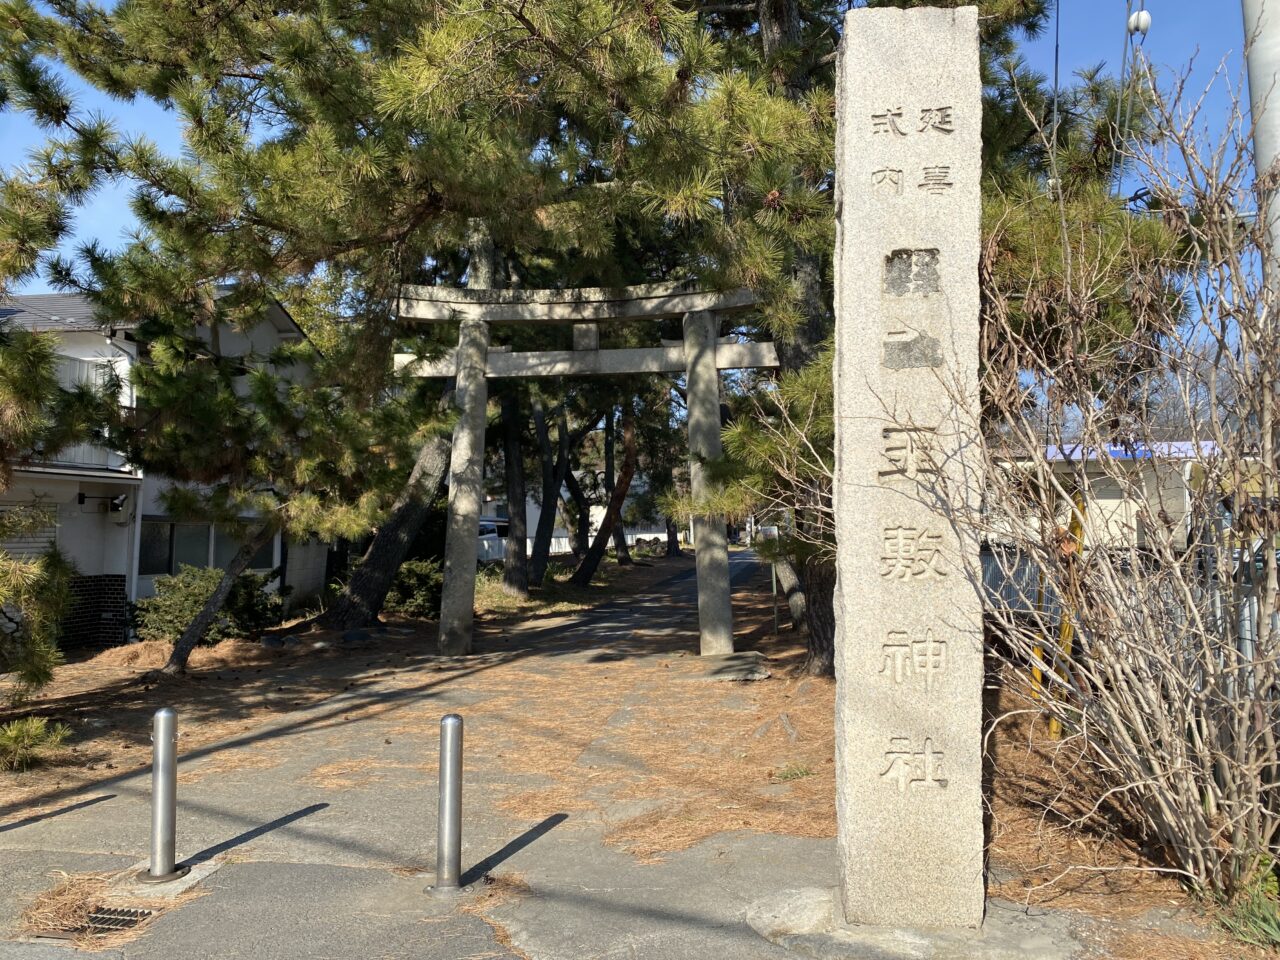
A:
100,922
111,919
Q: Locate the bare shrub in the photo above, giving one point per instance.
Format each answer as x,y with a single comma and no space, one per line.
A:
1130,514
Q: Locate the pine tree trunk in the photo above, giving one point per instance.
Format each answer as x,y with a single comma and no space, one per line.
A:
361,600
792,590
781,35
591,561
673,538
780,27
553,462
620,549
582,506
556,475
819,580
203,620
811,595
515,557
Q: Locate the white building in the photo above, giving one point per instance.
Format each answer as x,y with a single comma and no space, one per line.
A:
493,524
104,514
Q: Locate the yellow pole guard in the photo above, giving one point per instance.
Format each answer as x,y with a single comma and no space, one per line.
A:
1066,629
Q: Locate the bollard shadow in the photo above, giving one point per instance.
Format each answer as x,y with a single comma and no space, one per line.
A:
37,817
210,852
476,873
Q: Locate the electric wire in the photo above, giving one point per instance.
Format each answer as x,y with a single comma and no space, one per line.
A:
1057,49
1128,112
1124,65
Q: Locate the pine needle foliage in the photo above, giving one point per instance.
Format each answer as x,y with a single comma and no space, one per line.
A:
22,741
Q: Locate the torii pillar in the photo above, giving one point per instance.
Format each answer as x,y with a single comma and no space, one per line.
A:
710,538
466,490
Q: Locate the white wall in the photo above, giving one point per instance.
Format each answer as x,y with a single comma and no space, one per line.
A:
97,347
258,342
90,535
96,539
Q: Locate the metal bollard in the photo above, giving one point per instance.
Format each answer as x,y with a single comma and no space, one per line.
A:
164,799
449,836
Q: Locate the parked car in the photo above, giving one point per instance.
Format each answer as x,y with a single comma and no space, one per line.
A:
493,537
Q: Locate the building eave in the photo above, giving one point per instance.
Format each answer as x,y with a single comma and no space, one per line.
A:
114,476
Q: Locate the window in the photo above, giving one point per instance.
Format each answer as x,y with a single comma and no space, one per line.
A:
74,372
226,547
166,546
153,557
190,545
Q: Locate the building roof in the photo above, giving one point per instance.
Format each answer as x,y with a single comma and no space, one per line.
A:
73,312
1168,450
65,312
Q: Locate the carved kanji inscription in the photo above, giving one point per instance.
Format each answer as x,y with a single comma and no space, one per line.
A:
912,273
908,767
911,553
906,656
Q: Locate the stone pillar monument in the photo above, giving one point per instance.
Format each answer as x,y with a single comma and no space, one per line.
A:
710,540
466,490
908,615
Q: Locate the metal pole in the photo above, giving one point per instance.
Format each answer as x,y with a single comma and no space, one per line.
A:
1262,59
449,823
164,799
773,573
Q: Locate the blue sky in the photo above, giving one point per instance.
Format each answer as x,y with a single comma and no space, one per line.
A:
1199,33
1092,31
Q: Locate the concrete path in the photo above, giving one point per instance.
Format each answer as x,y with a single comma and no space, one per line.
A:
323,824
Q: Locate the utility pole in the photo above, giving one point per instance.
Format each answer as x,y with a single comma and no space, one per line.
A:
1262,57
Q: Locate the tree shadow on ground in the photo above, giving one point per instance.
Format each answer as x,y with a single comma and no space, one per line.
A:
264,686
50,814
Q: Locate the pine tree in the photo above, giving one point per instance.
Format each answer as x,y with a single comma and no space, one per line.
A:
292,172
260,443
601,142
37,418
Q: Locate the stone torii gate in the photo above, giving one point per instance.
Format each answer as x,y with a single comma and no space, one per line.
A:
701,355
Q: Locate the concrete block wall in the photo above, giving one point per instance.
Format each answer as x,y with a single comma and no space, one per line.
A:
99,614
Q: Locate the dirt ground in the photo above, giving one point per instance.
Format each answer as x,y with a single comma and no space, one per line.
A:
757,756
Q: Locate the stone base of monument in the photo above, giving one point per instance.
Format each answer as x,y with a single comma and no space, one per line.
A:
805,922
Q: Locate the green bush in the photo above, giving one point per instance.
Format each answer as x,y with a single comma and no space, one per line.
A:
21,741
416,589
249,609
